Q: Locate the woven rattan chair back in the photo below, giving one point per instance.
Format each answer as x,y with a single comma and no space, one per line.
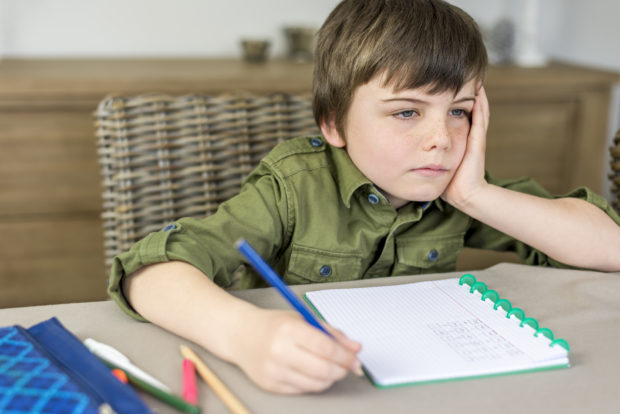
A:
164,157
615,172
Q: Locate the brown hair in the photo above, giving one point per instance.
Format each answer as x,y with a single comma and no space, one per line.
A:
412,43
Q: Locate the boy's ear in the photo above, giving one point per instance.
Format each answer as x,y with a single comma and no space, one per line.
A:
331,134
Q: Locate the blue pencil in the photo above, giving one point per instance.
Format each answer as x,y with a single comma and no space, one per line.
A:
271,277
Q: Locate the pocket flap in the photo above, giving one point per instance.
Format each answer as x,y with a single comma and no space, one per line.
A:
426,252
316,265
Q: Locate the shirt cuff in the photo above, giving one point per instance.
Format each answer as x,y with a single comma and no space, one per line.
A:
151,249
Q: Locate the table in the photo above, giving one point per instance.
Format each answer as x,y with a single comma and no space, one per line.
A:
582,307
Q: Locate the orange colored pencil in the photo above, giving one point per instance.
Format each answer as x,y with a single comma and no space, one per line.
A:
214,382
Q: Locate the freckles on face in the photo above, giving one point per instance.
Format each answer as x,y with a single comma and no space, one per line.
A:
408,143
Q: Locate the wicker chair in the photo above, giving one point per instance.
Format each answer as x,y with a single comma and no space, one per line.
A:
164,157
615,172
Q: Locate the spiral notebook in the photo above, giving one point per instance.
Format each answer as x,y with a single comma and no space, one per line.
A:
438,331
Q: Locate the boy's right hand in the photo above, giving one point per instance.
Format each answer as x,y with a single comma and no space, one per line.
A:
282,353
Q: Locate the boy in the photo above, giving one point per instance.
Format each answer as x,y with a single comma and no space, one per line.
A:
395,186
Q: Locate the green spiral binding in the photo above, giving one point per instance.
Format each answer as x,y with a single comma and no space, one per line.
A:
504,304
546,332
560,342
518,312
531,322
491,294
470,280
479,286
467,279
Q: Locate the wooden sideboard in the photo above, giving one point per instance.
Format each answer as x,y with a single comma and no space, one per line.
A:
549,123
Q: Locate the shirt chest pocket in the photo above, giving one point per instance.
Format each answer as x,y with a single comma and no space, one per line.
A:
310,265
428,254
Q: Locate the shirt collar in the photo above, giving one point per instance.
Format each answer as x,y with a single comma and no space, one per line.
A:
350,178
439,203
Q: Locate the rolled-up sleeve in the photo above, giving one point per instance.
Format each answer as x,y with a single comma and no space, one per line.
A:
258,214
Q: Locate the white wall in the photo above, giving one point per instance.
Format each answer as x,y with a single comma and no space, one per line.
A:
575,30
148,28
583,32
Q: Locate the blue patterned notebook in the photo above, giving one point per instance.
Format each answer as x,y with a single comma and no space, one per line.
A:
45,369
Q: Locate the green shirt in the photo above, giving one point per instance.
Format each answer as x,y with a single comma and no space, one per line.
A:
316,218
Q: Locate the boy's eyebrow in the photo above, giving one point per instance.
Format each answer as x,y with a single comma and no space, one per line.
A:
422,101
404,99
465,99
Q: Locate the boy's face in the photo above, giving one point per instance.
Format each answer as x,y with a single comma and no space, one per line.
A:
408,143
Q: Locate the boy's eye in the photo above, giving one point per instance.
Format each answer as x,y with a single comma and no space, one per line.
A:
458,112
405,114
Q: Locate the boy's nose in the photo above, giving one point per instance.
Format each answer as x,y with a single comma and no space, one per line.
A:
438,137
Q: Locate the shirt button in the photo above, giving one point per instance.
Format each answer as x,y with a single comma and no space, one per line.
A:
170,227
316,142
325,270
433,255
373,198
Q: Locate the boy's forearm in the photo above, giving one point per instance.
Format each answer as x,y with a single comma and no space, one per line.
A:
569,230
181,299
277,349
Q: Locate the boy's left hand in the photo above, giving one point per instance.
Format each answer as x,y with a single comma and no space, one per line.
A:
469,176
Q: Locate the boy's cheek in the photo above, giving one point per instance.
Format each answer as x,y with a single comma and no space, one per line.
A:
458,160
460,130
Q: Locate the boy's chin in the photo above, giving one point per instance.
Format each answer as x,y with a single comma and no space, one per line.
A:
421,195
426,196
413,198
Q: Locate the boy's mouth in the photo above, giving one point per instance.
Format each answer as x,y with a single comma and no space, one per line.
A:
430,170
